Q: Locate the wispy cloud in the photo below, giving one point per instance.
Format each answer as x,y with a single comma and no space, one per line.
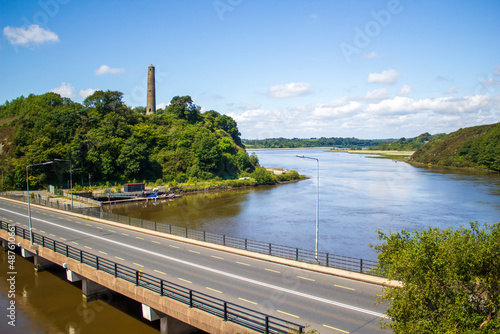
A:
105,69
381,93
405,90
451,90
65,90
372,55
386,77
86,92
292,89
29,36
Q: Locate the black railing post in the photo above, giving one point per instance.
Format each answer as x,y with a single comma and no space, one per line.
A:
190,298
246,244
43,241
361,265
54,245
81,256
116,269
186,232
270,251
97,262
204,236
155,226
161,287
296,254
129,220
327,260
67,251
136,277
225,311
170,227
224,239
267,324
141,223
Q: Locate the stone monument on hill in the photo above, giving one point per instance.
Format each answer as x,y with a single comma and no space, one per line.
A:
151,104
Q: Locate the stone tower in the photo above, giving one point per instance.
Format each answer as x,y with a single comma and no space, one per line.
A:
151,106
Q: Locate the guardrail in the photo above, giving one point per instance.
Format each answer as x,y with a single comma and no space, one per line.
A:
363,266
225,310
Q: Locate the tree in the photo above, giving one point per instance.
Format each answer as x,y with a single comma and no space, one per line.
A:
184,108
450,279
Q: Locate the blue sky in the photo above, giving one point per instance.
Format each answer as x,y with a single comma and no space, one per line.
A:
284,68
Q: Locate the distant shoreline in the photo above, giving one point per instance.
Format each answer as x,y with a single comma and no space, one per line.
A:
288,148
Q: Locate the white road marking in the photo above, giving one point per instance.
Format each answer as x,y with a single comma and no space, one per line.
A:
216,271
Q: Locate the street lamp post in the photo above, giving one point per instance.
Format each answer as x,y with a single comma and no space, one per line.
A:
28,189
70,180
317,202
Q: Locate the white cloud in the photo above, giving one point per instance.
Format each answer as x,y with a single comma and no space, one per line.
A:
497,70
32,35
405,90
387,77
105,69
491,82
65,90
451,90
86,92
381,93
292,89
372,55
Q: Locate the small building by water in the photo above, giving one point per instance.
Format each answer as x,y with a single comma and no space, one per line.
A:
131,187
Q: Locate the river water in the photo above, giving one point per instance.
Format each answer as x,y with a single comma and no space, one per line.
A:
358,195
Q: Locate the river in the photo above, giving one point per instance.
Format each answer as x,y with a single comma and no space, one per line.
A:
358,195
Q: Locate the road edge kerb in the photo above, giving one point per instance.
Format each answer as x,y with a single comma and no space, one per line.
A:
269,258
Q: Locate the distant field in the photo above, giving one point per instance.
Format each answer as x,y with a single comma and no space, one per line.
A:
391,153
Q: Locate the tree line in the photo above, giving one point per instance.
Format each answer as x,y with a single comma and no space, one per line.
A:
109,141
311,142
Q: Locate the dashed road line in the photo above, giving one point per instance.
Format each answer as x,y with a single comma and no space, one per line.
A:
289,314
103,252
244,264
76,243
192,251
156,242
273,271
248,301
139,238
184,280
308,279
173,246
343,287
160,272
111,231
125,234
213,290
119,258
217,257
137,264
336,329
87,247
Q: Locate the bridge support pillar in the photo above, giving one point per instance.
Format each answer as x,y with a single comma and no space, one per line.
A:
73,277
168,325
91,290
41,263
26,253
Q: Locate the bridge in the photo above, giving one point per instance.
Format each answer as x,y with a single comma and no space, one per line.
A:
188,284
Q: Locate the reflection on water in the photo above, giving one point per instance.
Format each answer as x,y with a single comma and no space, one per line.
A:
358,195
47,303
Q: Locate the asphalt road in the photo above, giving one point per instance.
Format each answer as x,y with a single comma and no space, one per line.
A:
327,303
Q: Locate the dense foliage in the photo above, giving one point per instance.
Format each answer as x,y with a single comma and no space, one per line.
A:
110,141
450,280
312,142
476,147
403,144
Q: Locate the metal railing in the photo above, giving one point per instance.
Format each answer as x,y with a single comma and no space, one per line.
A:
359,265
225,310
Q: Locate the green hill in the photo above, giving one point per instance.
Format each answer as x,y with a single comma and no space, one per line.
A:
404,144
108,141
476,147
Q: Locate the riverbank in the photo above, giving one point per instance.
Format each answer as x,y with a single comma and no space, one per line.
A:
381,154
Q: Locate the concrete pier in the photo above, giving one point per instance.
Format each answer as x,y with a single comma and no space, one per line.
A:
91,290
168,325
